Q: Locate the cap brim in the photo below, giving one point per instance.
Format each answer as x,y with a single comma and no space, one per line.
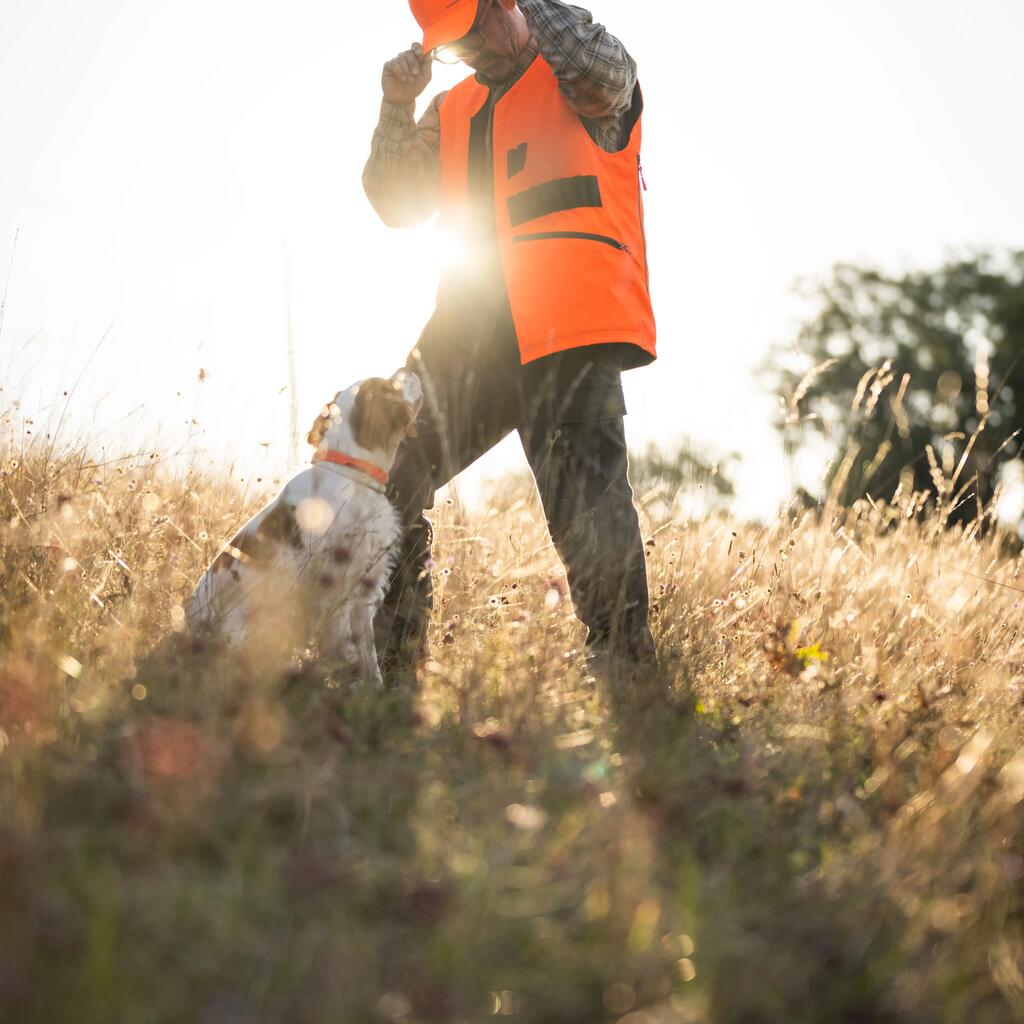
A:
451,27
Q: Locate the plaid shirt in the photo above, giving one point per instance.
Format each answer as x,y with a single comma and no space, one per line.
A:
595,75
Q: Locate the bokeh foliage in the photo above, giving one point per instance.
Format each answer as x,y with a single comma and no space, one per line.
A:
890,366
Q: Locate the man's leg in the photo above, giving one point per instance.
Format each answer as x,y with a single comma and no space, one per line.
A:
573,434
400,625
463,359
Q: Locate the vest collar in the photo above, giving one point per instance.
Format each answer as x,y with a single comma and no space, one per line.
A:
358,469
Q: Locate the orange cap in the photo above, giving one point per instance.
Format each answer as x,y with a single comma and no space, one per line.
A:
444,21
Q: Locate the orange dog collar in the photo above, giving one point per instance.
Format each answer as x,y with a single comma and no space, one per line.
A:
340,459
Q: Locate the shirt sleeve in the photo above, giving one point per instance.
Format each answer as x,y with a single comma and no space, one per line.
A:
595,73
401,177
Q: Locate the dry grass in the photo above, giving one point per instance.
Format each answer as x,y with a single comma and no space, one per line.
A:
757,835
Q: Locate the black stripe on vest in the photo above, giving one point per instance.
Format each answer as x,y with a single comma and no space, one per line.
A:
553,197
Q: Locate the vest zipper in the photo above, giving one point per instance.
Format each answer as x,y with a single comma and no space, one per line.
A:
585,235
640,214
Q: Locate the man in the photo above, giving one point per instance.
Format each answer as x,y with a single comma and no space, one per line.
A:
534,161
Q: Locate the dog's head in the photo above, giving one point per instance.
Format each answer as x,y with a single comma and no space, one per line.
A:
385,412
374,414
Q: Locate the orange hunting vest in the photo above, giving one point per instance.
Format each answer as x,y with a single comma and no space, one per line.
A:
568,216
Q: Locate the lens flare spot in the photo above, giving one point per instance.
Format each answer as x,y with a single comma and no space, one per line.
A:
69,665
177,618
314,514
619,998
526,818
686,969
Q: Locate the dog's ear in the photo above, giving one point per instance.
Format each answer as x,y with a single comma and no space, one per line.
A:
381,415
329,415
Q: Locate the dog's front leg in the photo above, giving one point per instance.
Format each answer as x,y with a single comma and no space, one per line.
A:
369,667
340,633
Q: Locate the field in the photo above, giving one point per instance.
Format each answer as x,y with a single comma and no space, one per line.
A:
811,814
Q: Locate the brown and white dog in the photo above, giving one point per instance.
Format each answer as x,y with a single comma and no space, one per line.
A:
314,564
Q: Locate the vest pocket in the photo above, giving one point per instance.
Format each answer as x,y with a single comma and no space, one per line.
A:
585,235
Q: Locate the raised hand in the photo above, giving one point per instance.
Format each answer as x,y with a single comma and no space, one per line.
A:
407,75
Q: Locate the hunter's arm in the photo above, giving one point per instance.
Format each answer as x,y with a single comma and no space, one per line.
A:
595,73
402,174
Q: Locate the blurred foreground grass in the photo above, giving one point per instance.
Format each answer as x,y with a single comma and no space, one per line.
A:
812,814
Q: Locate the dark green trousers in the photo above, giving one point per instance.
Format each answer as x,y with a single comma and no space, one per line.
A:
568,411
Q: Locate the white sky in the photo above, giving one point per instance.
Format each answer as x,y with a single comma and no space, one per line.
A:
158,156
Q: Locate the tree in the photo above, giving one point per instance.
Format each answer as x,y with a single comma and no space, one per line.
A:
917,380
